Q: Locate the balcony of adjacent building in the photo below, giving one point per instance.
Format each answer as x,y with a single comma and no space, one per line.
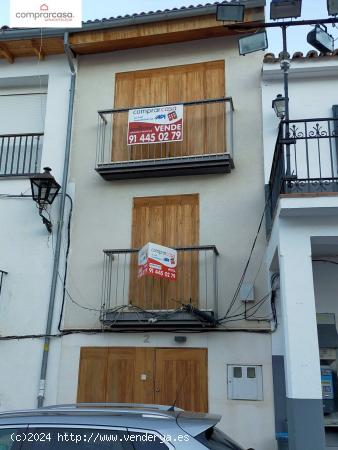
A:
305,162
133,302
23,110
205,145
20,154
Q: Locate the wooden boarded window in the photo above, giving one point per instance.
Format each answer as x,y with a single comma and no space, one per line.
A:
204,125
171,221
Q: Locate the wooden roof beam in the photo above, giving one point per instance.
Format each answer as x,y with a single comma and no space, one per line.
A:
146,34
37,49
6,54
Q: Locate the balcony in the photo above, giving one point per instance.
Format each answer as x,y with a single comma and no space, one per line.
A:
20,154
150,303
206,148
305,160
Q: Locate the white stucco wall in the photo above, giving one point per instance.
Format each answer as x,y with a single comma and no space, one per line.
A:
299,228
230,205
26,249
255,417
230,210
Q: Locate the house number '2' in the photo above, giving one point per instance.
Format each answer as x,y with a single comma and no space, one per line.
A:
146,339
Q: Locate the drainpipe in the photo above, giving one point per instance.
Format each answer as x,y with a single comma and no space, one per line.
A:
44,363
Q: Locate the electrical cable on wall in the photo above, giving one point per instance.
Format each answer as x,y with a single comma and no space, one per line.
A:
153,317
235,296
274,278
159,316
326,261
253,309
150,317
66,260
272,298
236,317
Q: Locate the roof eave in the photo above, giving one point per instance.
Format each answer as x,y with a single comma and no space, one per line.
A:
137,19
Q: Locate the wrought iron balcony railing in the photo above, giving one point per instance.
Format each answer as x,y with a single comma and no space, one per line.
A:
207,145
20,154
132,302
305,159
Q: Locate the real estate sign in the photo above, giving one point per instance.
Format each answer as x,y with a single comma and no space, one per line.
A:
52,14
157,261
154,125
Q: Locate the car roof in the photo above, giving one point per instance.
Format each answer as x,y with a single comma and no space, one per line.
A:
114,414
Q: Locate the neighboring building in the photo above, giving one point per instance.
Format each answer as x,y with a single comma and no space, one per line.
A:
302,251
34,97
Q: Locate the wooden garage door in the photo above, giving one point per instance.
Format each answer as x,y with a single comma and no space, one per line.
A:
204,125
144,375
171,221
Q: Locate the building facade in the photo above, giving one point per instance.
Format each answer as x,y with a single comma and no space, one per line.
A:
202,342
301,181
201,196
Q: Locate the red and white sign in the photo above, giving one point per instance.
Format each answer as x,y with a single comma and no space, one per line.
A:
154,125
157,261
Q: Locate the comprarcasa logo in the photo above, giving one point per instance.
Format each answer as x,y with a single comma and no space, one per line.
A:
44,13
53,14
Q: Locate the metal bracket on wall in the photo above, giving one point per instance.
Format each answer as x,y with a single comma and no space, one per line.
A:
2,273
335,117
287,141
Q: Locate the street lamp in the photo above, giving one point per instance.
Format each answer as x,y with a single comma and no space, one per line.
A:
320,39
332,7
228,12
44,190
281,9
253,43
284,9
278,104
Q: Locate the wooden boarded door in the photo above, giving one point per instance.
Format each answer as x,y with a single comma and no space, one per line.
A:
181,377
130,375
144,375
114,375
92,385
204,125
171,221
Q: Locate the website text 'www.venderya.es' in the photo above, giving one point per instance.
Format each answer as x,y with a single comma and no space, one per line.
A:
96,437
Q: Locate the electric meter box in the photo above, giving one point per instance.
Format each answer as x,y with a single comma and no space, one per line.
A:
245,382
247,292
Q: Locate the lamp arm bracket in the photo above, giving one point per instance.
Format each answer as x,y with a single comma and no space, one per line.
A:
45,221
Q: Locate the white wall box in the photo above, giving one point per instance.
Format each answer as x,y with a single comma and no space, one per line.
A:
245,382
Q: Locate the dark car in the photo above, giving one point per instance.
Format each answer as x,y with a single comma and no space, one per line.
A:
111,427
